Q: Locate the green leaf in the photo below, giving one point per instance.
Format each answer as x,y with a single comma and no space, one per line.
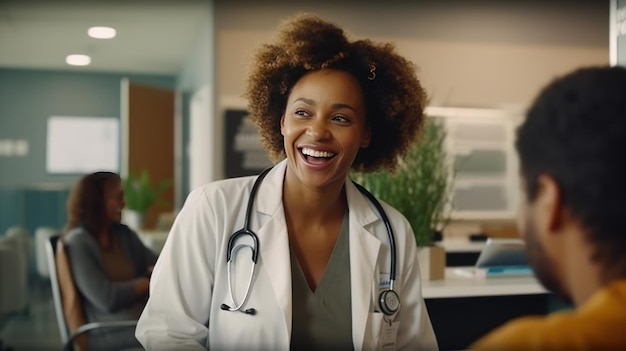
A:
421,188
140,194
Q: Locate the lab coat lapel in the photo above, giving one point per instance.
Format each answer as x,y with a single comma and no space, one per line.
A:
364,251
273,239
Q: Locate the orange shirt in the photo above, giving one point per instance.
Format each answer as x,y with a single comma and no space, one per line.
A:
598,325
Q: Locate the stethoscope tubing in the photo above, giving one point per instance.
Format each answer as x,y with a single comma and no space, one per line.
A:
392,240
246,222
238,307
388,294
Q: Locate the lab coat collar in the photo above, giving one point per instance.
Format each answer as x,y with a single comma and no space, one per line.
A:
270,194
269,198
364,250
364,256
274,241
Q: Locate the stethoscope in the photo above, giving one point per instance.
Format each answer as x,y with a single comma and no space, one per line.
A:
388,300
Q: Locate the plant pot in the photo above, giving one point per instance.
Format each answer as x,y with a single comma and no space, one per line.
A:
432,261
133,219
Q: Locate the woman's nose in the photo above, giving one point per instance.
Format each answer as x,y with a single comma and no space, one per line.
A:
318,129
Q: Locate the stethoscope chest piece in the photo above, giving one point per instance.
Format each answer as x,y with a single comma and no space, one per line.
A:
389,302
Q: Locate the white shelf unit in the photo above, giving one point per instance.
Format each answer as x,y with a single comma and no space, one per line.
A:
482,157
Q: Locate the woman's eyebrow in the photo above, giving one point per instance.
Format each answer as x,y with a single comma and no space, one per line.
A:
335,106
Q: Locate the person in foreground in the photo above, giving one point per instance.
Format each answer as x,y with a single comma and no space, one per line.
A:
109,263
571,150
324,105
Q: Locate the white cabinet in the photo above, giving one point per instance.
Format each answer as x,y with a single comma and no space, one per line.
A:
481,152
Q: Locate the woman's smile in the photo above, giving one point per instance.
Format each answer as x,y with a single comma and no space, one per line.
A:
324,126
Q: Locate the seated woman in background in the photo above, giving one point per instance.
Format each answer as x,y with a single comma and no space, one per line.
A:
110,264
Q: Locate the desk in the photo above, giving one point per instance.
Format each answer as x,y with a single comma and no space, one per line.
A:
462,309
456,285
461,252
462,245
153,239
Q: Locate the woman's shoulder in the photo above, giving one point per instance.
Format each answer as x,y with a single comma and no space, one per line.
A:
78,236
123,229
127,236
402,227
228,186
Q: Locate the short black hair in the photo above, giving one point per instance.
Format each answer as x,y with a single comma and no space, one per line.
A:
575,131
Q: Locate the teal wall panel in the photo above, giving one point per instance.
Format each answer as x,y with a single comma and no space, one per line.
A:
11,209
29,97
32,208
44,208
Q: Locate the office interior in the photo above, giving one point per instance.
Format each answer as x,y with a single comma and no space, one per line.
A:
479,54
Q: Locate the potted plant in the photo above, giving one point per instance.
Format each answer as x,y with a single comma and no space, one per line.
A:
420,190
140,196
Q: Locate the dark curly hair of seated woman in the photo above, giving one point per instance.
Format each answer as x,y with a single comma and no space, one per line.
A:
109,263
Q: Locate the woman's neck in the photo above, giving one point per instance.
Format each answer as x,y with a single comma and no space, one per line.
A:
104,237
313,205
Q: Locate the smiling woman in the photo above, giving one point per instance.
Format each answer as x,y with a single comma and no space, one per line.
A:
324,128
329,263
109,263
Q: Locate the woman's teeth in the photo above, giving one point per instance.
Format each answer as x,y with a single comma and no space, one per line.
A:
316,153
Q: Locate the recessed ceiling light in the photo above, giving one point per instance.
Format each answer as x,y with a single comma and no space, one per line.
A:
78,60
102,32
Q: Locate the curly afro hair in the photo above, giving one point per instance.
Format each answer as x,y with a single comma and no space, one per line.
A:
394,98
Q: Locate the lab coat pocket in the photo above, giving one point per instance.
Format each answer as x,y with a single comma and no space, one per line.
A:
372,334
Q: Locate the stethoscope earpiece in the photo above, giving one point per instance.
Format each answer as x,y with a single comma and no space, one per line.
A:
250,311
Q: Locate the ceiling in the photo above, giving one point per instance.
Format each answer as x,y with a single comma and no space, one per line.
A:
153,37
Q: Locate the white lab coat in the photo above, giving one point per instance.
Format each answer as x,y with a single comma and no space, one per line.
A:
190,280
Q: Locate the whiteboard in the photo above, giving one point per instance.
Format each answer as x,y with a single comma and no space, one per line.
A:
82,144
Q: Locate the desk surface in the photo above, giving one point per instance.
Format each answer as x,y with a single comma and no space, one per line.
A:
461,245
456,285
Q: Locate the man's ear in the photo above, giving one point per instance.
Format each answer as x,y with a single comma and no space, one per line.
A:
549,210
282,125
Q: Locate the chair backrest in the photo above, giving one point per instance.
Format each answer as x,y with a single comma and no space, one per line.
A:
67,302
42,235
51,247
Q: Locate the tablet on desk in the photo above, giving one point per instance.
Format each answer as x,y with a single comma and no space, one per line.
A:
500,258
503,253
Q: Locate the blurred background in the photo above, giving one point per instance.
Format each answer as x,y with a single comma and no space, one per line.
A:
164,95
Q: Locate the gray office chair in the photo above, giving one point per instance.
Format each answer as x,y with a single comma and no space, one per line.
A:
68,336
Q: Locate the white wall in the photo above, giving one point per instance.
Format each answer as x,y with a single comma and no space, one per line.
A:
470,53
197,159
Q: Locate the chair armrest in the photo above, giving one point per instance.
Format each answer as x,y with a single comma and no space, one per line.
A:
85,328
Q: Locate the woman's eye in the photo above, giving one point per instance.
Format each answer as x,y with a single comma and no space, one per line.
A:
341,119
301,113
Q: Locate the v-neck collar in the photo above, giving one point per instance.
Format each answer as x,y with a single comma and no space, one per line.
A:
340,248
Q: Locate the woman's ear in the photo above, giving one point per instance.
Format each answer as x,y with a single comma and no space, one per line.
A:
367,137
282,125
